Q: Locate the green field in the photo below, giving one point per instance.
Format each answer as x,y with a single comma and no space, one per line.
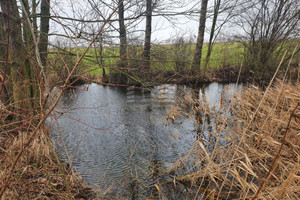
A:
222,54
167,57
163,57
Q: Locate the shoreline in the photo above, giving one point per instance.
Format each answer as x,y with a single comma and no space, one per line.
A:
223,75
39,172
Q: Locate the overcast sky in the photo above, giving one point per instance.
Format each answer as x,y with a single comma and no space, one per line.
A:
164,29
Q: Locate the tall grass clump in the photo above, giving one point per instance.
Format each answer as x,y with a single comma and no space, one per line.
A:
38,174
248,147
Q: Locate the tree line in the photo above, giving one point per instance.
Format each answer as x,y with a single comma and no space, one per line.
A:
265,28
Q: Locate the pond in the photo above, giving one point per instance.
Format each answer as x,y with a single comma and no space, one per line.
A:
120,140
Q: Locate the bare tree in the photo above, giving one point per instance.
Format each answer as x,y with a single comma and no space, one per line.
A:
2,39
270,25
217,4
118,35
223,12
17,62
4,96
198,51
148,32
123,35
26,27
22,56
30,44
44,30
118,75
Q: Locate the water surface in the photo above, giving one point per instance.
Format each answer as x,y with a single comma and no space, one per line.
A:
120,137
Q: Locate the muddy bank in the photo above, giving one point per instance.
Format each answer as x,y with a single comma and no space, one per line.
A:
148,78
225,74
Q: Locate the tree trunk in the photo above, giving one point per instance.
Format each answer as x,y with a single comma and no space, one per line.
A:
30,49
26,29
198,51
18,63
4,96
118,75
45,16
101,57
34,19
2,41
123,37
212,32
148,31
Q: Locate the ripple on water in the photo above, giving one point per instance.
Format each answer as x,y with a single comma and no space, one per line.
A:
135,137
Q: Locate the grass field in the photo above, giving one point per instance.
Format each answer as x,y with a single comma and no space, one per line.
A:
163,57
222,54
169,57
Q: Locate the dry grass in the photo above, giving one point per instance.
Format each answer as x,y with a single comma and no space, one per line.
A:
248,147
38,174
252,149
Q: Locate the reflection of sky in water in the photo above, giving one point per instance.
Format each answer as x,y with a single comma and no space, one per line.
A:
213,94
214,91
115,132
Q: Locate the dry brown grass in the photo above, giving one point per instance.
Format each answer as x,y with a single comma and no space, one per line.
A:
260,158
38,174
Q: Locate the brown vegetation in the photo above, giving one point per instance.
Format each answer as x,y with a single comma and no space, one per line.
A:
259,156
252,153
39,174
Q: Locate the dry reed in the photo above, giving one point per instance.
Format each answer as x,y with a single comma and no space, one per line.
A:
39,174
249,151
